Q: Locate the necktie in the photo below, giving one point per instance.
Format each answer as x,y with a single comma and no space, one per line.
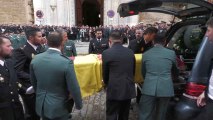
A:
5,66
38,49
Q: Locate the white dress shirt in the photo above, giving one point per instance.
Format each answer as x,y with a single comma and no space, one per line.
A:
34,47
55,49
1,62
210,91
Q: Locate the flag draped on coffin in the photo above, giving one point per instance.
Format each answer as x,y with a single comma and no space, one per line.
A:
89,74
138,76
88,71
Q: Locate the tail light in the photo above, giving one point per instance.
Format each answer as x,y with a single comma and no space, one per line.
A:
194,89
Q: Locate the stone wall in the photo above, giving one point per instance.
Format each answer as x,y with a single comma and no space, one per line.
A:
150,18
16,12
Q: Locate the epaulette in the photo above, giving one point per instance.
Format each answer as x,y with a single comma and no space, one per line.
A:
65,56
22,47
19,85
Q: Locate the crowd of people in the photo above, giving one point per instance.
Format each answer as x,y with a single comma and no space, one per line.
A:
41,70
80,33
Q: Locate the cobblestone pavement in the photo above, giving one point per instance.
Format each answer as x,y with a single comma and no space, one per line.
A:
94,108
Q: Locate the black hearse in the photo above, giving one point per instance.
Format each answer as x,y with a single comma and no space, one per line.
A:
187,38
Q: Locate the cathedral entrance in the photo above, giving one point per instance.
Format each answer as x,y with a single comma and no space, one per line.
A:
89,12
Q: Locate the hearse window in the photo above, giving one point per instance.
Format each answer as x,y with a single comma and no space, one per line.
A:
186,42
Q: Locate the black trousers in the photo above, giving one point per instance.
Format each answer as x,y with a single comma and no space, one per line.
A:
153,108
117,110
65,117
29,102
138,97
13,112
207,112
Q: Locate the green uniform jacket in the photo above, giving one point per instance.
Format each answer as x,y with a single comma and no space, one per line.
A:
69,49
53,77
157,66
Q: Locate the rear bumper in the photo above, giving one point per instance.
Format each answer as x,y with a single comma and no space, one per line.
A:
186,109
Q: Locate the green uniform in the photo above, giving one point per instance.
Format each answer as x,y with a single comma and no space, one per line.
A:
18,40
157,89
69,49
53,78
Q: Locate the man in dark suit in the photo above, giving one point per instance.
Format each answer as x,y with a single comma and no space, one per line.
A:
143,41
162,27
157,88
206,98
141,44
53,77
131,34
10,106
98,45
106,32
23,57
118,75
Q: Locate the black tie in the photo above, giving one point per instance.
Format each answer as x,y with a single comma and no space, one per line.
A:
5,67
38,49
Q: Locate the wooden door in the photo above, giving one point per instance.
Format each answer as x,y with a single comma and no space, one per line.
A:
79,18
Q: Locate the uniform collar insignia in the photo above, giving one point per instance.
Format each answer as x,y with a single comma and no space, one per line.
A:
1,79
33,55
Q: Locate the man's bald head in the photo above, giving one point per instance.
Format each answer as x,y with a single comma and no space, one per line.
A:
115,36
5,47
54,39
139,33
63,33
209,32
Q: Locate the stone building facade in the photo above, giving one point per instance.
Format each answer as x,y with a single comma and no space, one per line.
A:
71,12
68,12
16,12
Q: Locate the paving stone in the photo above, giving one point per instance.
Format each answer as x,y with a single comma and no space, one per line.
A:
95,108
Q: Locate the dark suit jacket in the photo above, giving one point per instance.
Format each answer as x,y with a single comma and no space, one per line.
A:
139,46
209,77
97,48
23,57
118,72
8,85
9,99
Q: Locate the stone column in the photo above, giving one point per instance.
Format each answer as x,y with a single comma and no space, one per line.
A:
72,20
53,6
60,13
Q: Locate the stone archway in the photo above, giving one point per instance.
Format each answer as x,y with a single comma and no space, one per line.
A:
89,12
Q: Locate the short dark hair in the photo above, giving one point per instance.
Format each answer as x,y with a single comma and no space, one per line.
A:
210,22
160,38
99,29
31,31
2,39
150,30
54,39
115,35
61,31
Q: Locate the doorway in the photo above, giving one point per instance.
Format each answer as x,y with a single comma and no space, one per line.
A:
89,12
